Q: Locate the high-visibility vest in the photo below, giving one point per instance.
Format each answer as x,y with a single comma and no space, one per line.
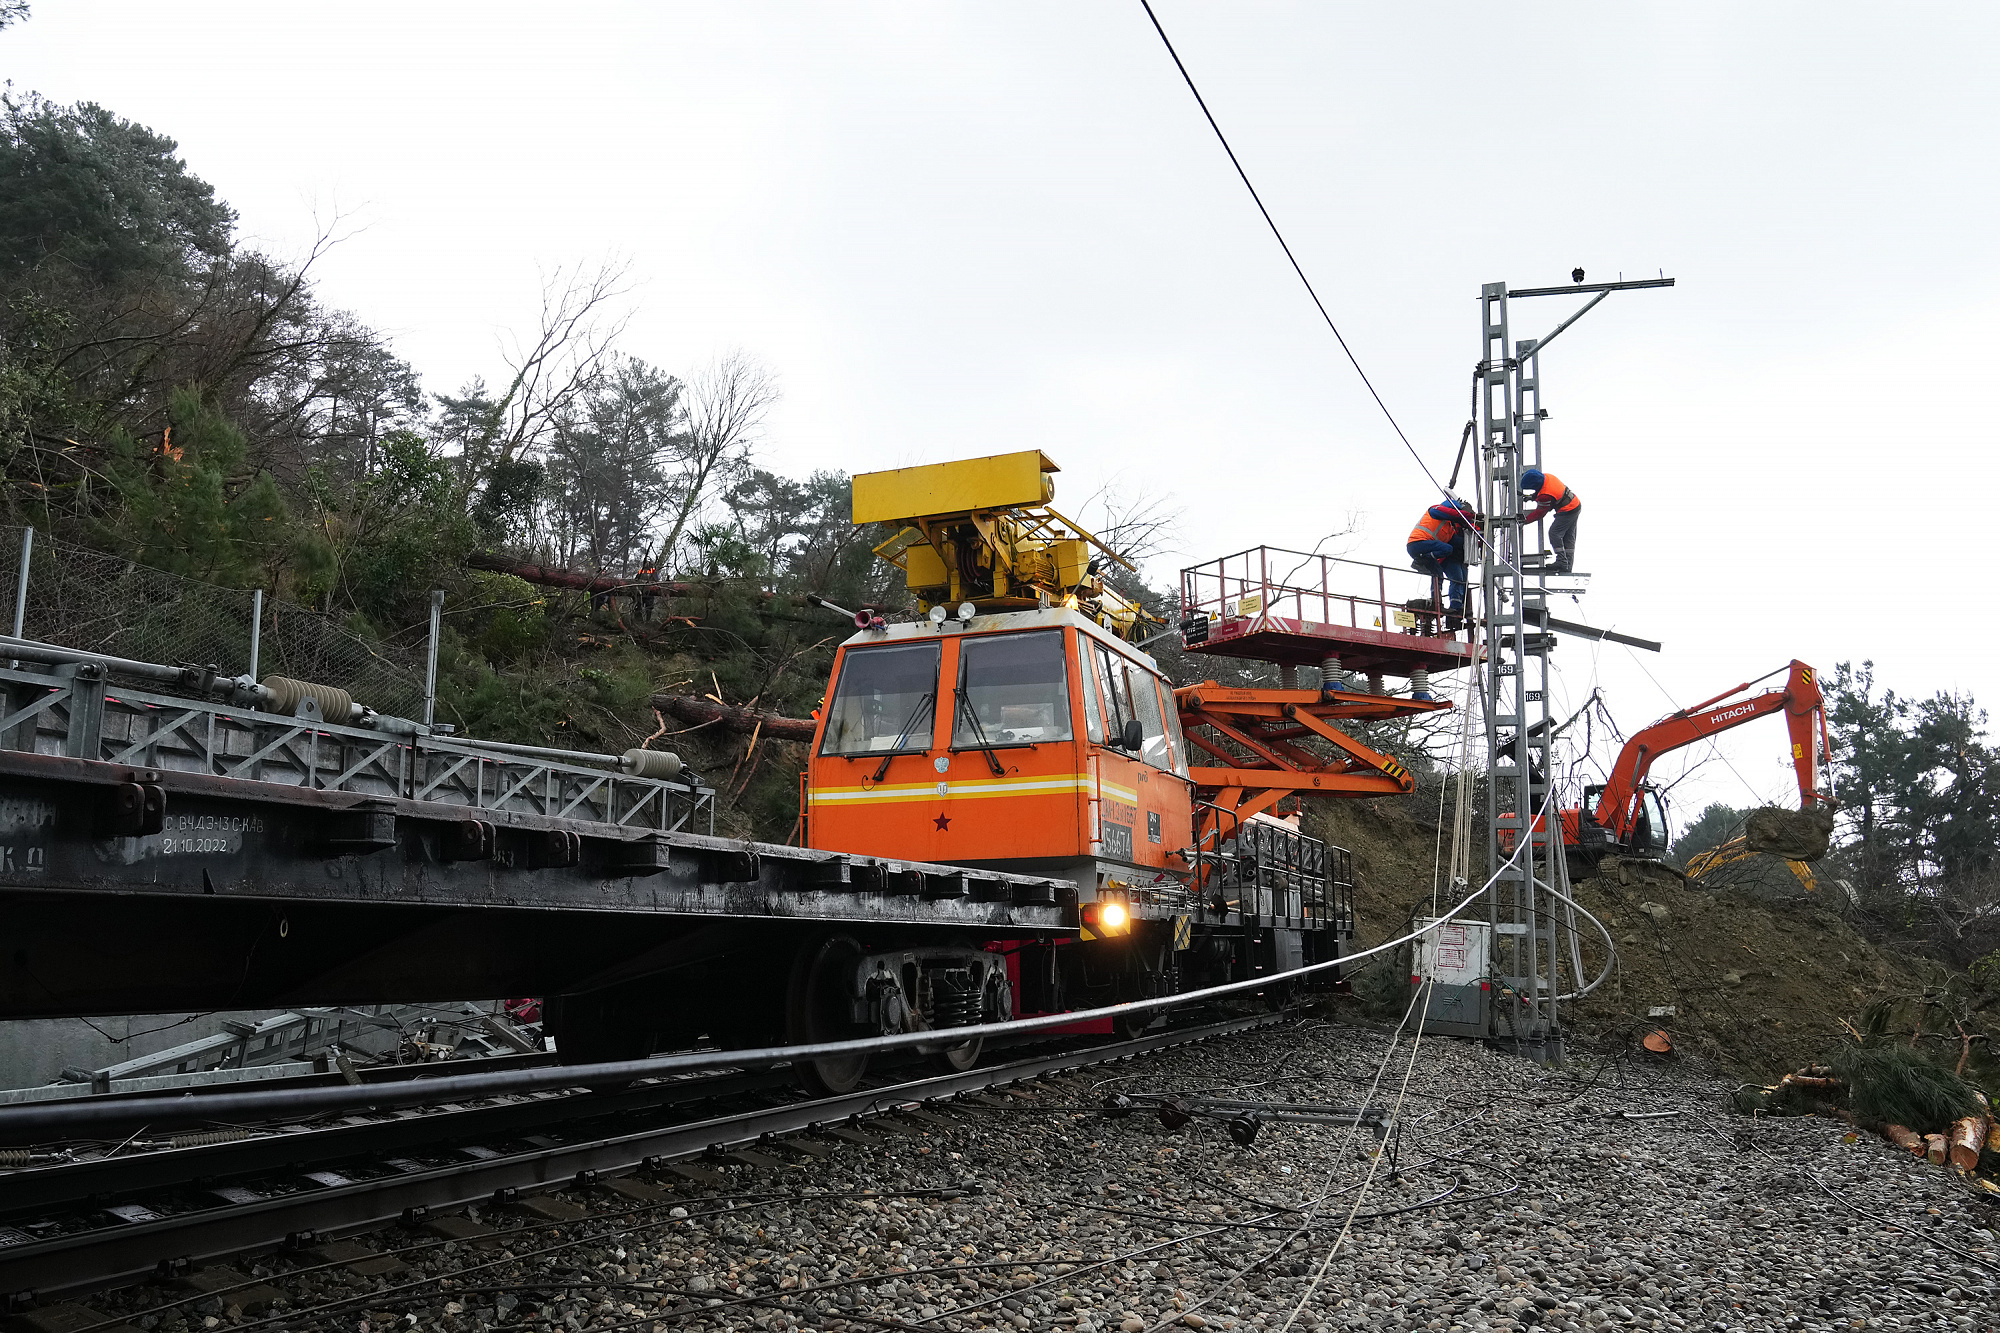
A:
1559,496
1431,528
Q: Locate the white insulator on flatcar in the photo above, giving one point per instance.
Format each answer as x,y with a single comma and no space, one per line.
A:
286,694
651,763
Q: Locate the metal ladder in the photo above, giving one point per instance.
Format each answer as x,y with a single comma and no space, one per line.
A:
1514,592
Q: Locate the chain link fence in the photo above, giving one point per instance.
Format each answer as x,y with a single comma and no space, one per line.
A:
306,645
99,603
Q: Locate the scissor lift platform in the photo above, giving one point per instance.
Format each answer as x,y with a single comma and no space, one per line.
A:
1297,609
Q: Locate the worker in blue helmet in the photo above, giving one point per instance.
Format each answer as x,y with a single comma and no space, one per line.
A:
1550,496
1437,547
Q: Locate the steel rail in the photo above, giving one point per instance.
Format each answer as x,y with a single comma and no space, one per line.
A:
70,1183
280,1145
120,1254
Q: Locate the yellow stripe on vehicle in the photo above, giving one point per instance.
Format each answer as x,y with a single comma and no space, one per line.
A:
1034,785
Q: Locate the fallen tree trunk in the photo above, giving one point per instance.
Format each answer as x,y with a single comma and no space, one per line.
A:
696,709
549,576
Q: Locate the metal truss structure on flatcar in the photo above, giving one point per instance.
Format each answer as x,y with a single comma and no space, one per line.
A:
79,712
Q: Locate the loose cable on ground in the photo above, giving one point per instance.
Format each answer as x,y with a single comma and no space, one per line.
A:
1339,1154
1374,1164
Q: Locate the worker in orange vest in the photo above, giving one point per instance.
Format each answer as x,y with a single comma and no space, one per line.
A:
1437,548
1552,497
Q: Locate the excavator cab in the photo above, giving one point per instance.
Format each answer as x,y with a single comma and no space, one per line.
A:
1650,832
1648,835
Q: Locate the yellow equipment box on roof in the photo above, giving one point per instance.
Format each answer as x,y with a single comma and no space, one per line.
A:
972,485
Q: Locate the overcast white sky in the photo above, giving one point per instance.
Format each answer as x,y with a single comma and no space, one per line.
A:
955,229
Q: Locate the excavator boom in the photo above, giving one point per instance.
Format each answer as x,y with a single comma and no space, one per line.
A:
1805,717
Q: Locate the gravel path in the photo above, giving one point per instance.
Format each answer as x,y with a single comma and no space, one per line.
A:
1557,1211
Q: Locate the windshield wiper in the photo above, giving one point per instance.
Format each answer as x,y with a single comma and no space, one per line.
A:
904,734
985,746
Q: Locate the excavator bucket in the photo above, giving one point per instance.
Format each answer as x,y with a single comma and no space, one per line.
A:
1796,835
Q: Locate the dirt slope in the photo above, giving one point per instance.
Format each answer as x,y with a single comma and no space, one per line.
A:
1758,985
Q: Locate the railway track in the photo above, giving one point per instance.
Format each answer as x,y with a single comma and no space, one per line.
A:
89,1224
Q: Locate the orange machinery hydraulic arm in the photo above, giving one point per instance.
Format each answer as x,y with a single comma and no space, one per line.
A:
1805,716
1259,738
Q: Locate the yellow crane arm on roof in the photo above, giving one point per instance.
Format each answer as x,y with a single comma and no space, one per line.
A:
980,530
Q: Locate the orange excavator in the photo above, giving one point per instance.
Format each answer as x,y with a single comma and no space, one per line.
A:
1624,816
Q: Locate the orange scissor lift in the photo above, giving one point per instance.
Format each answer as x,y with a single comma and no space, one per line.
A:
1359,625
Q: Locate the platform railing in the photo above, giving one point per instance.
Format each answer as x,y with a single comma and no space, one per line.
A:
1272,582
78,712
1282,874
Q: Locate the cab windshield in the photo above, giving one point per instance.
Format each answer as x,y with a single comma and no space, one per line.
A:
1013,689
1649,834
1131,691
884,701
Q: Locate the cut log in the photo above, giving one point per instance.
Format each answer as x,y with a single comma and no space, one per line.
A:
1967,1136
694,709
1905,1138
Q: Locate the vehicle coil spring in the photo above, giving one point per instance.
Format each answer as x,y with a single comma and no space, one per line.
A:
955,1001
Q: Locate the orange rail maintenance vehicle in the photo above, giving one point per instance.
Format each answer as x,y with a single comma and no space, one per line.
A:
1017,725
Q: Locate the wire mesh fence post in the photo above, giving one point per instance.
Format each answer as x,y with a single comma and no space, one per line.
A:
21,581
256,627
431,664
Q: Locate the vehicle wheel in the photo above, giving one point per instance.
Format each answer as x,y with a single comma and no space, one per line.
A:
816,1010
958,1059
1132,1026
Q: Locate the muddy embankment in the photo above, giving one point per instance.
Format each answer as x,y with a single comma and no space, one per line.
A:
1758,984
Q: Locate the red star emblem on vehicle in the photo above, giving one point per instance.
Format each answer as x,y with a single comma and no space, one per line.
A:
943,823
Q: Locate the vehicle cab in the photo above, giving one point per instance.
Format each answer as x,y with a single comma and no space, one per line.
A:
1648,833
1029,741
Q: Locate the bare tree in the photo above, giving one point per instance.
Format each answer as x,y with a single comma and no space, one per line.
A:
1138,523
573,339
1336,537
726,407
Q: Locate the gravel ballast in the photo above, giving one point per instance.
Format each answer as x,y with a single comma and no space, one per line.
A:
1518,1198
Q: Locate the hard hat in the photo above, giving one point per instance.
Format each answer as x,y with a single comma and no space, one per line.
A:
1531,478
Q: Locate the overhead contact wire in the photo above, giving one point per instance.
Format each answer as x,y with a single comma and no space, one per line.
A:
1284,245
